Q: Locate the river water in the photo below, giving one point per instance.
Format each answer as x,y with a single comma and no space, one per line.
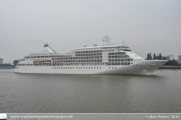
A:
41,93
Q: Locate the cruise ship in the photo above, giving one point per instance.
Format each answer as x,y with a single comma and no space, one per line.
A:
98,59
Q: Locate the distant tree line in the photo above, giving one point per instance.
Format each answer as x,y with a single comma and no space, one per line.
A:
6,65
160,57
15,62
155,57
172,62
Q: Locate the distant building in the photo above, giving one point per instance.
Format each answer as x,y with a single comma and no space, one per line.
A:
179,59
168,57
1,61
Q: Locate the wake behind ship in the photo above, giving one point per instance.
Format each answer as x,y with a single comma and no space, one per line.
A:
103,59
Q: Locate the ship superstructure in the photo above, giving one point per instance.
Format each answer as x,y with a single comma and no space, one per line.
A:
98,59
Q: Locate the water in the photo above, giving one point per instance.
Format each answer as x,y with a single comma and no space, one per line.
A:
40,93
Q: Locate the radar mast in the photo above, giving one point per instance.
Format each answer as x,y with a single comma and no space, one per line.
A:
106,40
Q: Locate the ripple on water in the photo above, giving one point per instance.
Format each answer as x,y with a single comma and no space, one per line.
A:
159,92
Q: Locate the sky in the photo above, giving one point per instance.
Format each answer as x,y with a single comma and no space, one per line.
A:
147,26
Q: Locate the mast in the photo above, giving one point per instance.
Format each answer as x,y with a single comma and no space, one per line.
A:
106,40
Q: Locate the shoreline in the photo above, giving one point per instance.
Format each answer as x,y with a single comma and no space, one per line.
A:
7,67
170,67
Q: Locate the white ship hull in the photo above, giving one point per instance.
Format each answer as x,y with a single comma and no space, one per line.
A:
143,67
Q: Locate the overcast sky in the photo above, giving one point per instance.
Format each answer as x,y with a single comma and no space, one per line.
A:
146,25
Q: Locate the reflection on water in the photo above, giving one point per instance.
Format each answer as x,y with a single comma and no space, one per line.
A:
159,92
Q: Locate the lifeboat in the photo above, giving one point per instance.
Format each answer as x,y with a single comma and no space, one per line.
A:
37,62
47,61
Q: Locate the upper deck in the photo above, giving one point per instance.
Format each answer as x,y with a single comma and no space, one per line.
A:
106,53
103,47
